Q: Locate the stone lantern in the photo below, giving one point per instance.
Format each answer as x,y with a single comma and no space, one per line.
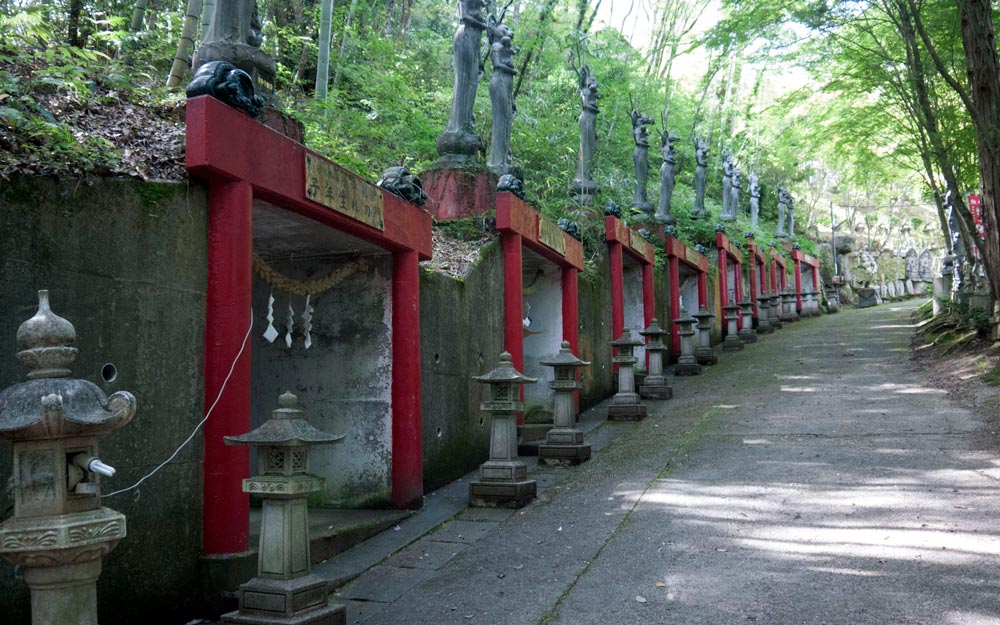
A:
285,590
503,479
732,342
656,385
833,299
687,364
775,311
747,333
625,404
764,314
704,353
59,531
564,443
789,314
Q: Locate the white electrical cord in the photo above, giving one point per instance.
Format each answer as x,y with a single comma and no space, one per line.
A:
222,388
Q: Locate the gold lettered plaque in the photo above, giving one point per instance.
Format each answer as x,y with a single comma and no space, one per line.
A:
633,239
692,256
335,188
551,236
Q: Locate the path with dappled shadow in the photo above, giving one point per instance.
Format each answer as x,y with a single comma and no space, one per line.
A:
811,478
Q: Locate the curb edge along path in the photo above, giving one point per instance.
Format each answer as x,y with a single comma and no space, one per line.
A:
810,478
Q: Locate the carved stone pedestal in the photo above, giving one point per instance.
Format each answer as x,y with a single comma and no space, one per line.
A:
301,601
732,342
703,353
747,333
502,484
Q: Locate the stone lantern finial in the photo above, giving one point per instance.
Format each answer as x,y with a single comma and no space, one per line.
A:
45,342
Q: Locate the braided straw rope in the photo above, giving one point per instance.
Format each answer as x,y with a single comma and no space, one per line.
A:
312,287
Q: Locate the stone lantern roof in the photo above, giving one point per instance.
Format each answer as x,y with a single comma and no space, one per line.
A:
51,404
654,330
287,427
627,340
504,372
565,358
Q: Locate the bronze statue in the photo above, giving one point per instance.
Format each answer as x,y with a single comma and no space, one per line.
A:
667,172
700,173
583,187
640,158
501,96
459,143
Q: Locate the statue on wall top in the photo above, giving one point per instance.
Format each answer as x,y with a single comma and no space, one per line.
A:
234,35
790,202
667,173
736,186
779,231
727,183
583,187
501,95
754,200
700,173
459,144
640,158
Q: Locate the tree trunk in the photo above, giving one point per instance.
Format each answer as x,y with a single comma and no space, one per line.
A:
983,67
182,60
73,23
323,62
137,14
390,13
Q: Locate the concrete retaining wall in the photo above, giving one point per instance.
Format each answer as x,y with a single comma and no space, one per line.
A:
125,263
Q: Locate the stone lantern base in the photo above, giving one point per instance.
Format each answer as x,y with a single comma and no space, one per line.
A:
627,412
732,343
687,366
299,601
656,387
705,356
563,446
747,335
502,484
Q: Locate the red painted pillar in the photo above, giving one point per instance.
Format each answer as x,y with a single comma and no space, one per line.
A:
407,429
816,278
774,277
617,289
675,304
513,310
753,273
571,317
723,280
798,285
226,512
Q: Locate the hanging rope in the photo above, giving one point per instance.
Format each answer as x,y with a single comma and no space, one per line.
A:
312,287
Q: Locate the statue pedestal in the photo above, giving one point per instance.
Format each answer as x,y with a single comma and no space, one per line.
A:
454,193
300,601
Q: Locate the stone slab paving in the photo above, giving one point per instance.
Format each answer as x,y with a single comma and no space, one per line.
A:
811,478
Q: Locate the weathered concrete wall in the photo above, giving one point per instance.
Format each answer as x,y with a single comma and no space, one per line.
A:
633,309
343,382
461,334
595,331
125,262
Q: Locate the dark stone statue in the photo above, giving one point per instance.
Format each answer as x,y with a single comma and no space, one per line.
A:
667,172
227,83
640,158
727,186
501,96
754,200
779,231
613,209
234,35
510,182
736,186
569,227
459,144
399,181
583,187
700,172
790,201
